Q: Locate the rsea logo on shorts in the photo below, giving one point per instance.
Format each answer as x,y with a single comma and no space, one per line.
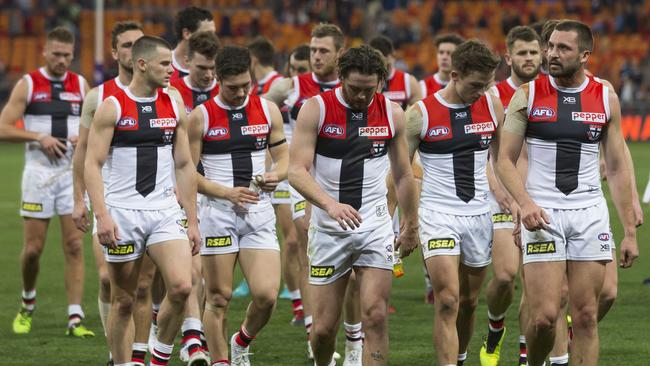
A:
540,247
122,249
322,271
281,194
499,218
218,241
300,206
445,243
32,207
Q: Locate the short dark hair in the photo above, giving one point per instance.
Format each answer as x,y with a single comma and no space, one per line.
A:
382,44
145,45
204,43
363,59
232,60
329,30
585,37
300,53
449,38
60,34
473,55
123,27
547,29
262,49
537,27
189,18
521,33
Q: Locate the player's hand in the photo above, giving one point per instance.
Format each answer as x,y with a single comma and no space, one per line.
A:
503,199
53,147
408,240
107,232
73,141
241,196
270,182
194,236
80,216
516,218
629,252
345,215
638,213
534,217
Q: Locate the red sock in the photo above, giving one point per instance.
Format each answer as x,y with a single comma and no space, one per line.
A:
243,338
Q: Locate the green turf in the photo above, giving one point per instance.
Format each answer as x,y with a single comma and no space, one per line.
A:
624,333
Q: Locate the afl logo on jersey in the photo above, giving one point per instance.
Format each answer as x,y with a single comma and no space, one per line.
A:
41,97
217,133
127,123
438,132
543,112
333,131
603,237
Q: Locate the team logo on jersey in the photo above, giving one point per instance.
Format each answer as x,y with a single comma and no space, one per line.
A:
32,207
485,140
218,241
146,109
237,116
438,132
540,247
594,132
122,249
480,127
333,131
589,117
162,123
603,236
255,129
75,108
378,148
381,210
445,243
543,112
41,96
260,142
568,100
374,131
168,135
321,271
127,123
70,97
217,133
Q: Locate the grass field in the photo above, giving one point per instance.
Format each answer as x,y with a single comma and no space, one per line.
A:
624,333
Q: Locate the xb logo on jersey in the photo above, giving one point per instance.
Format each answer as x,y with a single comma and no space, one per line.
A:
568,100
146,109
460,115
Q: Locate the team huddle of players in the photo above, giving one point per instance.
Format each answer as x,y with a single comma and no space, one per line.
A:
356,162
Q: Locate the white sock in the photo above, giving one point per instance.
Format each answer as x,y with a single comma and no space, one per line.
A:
295,294
104,308
353,332
29,297
75,314
560,360
462,356
162,351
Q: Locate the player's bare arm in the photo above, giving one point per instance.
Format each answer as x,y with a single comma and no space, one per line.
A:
618,171
414,123
501,195
278,150
80,211
301,159
99,137
13,111
186,176
511,141
279,91
407,195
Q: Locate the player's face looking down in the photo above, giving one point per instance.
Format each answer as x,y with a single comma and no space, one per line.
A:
359,89
234,89
201,70
472,86
525,58
58,56
564,54
443,56
323,56
297,67
157,67
125,42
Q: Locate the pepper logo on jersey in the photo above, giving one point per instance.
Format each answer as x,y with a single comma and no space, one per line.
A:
321,271
217,133
127,123
218,241
541,247
70,97
445,243
373,131
438,132
162,123
333,131
32,207
122,249
480,127
589,117
255,129
543,112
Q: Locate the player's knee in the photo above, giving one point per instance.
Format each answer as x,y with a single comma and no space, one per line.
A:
291,245
608,295
73,247
544,319
218,300
467,304
585,317
179,291
448,303
324,331
33,249
196,276
265,299
564,295
375,316
104,283
504,278
125,304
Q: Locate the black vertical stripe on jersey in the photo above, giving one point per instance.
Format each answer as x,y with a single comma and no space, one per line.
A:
463,160
567,159
242,161
146,156
198,97
352,166
59,119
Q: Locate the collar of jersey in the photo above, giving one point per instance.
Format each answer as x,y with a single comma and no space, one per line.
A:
447,104
186,80
223,105
333,82
141,99
43,71
177,65
339,96
569,90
